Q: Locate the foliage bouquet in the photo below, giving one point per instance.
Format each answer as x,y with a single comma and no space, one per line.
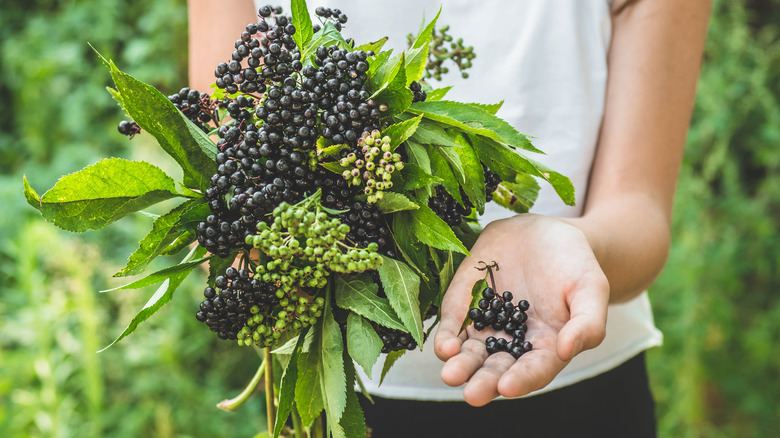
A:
330,190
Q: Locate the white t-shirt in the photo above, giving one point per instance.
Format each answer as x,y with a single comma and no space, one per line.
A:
547,60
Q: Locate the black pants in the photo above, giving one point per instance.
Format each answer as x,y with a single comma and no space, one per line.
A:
617,404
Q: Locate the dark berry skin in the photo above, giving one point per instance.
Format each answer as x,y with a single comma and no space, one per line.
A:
523,305
508,296
488,293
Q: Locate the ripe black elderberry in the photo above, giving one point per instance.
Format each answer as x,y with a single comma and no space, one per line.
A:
237,297
498,312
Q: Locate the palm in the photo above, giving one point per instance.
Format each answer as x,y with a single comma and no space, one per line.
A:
547,262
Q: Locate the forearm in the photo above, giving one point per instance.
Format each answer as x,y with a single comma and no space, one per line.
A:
654,62
214,26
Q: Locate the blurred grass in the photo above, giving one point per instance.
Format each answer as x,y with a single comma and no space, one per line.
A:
716,376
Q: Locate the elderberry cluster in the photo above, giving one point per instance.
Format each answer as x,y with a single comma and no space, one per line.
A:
498,312
394,339
305,245
418,94
334,15
368,227
373,167
198,107
343,96
238,298
293,313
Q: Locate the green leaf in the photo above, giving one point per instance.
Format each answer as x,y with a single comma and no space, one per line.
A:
382,69
440,167
376,46
392,202
164,274
358,293
446,273
287,386
329,150
437,94
394,92
390,359
326,36
518,196
175,133
161,235
352,423
308,393
417,55
363,344
161,297
402,287
473,173
415,177
433,231
410,248
331,363
496,155
476,295
473,119
432,133
399,132
453,159
102,193
492,108
334,167
304,30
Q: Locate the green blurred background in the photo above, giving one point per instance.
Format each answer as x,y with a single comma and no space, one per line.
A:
718,374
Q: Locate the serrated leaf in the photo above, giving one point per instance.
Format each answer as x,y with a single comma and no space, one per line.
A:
430,132
417,55
358,293
176,134
446,273
308,394
394,91
102,193
160,298
402,287
375,47
496,155
453,159
410,248
492,108
473,172
378,68
440,167
287,386
437,94
332,378
433,231
392,202
518,196
400,132
164,274
304,30
352,423
476,295
161,235
390,360
415,177
329,150
473,119
363,344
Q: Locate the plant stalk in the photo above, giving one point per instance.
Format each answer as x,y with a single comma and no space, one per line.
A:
297,425
231,404
269,389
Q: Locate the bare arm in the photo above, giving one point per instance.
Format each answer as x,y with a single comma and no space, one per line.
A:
214,26
654,64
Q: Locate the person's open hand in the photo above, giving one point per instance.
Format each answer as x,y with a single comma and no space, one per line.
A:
547,262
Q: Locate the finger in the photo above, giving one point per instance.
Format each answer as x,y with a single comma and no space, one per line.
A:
454,306
532,371
483,386
588,323
459,368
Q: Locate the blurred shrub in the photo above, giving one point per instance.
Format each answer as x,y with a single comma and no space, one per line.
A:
717,374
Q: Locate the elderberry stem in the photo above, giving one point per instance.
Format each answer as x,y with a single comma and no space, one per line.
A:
269,389
231,404
297,425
